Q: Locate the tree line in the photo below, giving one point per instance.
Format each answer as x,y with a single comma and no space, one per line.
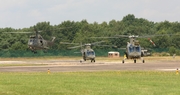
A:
82,32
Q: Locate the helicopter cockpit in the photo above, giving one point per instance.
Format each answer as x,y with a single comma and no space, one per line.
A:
135,49
90,53
31,40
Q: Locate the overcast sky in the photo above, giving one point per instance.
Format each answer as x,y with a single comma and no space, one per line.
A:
26,13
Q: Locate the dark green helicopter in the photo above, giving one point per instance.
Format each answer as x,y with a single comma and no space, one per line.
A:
36,42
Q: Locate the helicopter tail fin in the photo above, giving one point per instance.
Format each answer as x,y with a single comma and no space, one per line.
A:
50,43
152,42
53,38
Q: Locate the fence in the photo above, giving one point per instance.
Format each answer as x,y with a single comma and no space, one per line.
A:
28,53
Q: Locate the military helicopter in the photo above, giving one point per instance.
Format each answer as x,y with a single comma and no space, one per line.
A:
133,48
36,42
87,52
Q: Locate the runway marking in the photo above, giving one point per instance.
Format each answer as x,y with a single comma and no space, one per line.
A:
167,69
2,62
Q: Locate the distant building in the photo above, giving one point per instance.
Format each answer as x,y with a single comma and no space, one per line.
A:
113,54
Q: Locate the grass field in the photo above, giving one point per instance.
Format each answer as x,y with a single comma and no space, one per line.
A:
90,83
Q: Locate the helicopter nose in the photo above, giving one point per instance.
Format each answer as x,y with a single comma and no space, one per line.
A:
136,54
30,44
91,56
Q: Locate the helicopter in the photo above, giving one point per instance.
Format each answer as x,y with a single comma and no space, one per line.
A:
87,52
133,48
36,42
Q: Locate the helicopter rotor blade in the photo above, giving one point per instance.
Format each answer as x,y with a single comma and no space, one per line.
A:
24,32
122,48
107,46
121,35
68,43
116,36
75,47
97,42
157,35
105,37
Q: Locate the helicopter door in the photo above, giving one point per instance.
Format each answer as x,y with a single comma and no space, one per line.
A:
41,42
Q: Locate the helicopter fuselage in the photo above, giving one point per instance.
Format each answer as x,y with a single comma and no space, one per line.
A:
37,43
88,54
133,51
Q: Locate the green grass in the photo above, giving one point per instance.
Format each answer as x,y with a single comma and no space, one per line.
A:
90,83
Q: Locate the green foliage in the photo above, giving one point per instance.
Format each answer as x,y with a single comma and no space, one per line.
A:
81,32
172,50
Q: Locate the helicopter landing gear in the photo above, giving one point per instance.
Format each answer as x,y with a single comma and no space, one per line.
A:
123,61
80,61
134,60
93,60
125,57
143,61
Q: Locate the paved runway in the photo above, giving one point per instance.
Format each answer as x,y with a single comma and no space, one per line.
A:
75,65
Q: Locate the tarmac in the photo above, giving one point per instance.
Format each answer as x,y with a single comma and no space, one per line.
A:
60,65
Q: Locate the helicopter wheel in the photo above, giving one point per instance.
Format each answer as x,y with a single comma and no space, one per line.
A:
135,61
34,52
123,61
80,61
94,60
143,61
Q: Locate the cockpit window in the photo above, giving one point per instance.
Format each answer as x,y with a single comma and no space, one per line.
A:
132,49
137,49
90,53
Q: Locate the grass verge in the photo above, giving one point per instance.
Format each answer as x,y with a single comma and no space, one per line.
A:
90,83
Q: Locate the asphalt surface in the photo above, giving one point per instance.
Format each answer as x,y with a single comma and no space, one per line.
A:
75,65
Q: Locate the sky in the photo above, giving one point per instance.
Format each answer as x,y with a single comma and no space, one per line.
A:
25,13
